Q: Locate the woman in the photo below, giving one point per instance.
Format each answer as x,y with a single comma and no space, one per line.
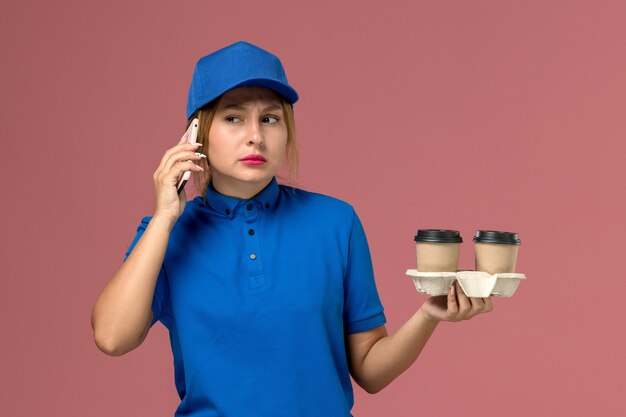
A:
267,290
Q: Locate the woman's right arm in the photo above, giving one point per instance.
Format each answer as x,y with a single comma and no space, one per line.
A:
122,314
123,311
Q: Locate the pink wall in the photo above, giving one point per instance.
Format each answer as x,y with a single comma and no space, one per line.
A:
466,115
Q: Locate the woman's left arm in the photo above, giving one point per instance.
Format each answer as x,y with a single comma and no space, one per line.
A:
376,359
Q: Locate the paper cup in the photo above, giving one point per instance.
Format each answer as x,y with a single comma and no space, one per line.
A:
437,250
496,252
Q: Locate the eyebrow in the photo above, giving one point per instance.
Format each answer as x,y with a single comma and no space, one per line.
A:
236,106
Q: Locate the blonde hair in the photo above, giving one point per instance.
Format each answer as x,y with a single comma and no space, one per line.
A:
290,162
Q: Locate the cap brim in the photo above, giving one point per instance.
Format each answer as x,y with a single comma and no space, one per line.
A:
288,93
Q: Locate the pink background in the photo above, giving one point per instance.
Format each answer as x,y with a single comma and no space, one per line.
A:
505,115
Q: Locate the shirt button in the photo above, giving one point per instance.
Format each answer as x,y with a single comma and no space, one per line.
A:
253,256
227,211
249,206
267,205
250,232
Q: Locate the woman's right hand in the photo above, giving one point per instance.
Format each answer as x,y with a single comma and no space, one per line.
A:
175,161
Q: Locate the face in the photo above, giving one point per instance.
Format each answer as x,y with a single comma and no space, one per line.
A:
248,121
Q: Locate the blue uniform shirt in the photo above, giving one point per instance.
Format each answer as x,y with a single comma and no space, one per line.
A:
258,296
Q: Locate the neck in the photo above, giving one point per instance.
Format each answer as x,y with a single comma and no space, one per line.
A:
238,189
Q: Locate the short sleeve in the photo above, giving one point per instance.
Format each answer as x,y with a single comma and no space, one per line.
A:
362,307
161,290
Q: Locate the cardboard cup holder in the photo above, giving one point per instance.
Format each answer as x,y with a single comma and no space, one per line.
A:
473,283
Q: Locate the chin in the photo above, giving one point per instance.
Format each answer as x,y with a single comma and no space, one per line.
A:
248,175
256,177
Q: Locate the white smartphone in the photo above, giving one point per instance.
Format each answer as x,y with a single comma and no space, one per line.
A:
192,136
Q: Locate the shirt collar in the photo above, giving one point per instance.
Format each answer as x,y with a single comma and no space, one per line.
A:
226,205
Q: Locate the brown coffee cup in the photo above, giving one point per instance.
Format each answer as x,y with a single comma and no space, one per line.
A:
437,250
495,252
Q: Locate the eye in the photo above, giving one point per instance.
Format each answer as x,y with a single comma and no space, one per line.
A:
233,119
270,119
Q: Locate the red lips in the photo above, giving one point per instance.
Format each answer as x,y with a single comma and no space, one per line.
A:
253,157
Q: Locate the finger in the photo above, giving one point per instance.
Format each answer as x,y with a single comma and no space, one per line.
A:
184,166
183,143
172,175
183,140
488,304
478,306
175,149
453,307
464,302
186,136
179,157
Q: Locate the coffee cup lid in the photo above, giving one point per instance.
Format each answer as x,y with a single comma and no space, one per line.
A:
438,236
494,236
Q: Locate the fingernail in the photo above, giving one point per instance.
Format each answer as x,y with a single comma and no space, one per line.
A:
201,155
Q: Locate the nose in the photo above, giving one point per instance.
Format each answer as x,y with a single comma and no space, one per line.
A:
255,135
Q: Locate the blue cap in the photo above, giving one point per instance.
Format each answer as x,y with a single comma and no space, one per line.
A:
237,65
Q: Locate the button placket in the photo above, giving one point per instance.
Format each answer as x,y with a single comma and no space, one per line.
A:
252,247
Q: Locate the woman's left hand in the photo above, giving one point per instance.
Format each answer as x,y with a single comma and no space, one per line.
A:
456,306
